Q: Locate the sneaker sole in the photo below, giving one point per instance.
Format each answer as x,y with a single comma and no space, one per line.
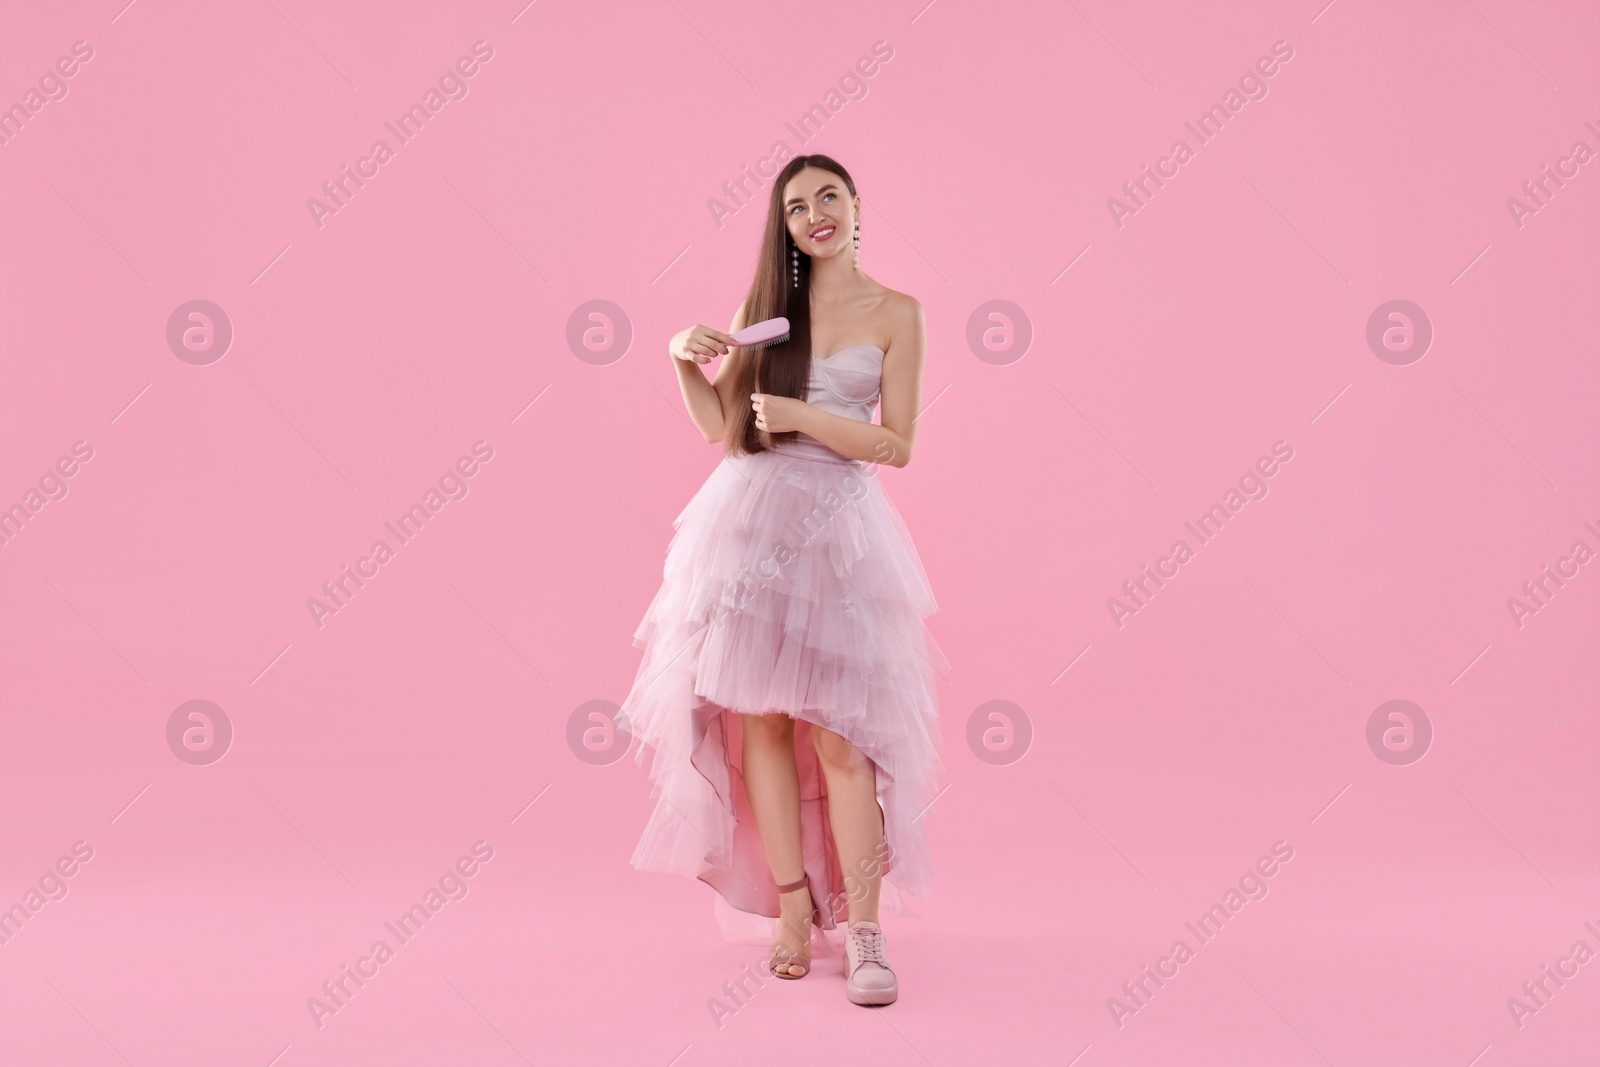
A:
872,998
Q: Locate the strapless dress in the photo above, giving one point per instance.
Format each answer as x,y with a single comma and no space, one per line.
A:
791,586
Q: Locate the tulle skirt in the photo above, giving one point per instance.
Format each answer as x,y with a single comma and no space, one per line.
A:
791,586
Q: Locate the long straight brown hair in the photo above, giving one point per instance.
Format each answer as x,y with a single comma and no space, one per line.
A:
782,369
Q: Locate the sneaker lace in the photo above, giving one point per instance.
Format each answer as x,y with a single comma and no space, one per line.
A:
868,945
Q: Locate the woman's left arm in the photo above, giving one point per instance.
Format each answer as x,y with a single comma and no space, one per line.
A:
892,440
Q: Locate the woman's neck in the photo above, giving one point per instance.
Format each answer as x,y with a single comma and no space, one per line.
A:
834,282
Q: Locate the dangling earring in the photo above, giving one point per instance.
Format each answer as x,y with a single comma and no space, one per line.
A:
858,244
794,265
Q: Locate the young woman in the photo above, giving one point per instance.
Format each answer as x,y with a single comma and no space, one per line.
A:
786,688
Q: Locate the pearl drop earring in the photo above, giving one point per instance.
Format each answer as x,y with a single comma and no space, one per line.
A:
794,265
858,242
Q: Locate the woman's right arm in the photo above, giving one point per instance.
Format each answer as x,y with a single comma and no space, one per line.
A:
707,403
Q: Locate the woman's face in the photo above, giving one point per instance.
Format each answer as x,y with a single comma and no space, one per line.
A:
820,212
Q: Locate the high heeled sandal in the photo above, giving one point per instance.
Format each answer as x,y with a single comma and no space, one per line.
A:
782,957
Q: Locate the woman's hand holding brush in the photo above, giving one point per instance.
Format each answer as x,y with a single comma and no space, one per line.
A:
701,344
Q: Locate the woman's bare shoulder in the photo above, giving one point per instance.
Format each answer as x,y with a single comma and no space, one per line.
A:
901,300
905,320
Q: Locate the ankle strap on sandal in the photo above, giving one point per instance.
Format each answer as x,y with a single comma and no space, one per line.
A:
792,886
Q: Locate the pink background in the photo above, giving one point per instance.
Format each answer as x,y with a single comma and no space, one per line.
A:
368,354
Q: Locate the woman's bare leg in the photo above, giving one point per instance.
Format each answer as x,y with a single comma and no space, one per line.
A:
772,785
856,819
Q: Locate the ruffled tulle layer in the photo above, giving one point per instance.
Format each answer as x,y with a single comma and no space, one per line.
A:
791,586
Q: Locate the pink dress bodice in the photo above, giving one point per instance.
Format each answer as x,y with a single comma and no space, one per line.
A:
847,384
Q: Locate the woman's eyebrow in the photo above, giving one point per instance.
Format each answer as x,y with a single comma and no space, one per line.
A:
801,199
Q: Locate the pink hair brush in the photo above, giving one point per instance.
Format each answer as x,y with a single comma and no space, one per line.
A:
770,332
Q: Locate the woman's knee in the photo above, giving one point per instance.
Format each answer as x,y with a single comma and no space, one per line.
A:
769,729
835,751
